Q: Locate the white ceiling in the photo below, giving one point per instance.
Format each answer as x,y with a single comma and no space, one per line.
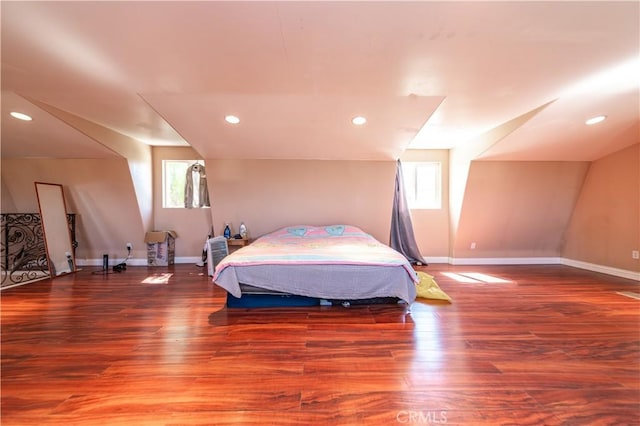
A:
425,74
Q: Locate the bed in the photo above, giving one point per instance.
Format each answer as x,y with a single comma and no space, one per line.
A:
307,265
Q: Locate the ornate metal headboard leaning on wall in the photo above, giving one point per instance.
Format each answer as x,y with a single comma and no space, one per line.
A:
24,256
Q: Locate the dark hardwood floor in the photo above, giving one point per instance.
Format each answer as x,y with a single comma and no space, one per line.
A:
536,345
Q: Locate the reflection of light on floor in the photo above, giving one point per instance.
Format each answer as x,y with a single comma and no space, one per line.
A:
459,278
474,277
484,277
157,279
428,344
630,294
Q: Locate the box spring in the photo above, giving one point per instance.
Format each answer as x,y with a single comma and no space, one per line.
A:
254,297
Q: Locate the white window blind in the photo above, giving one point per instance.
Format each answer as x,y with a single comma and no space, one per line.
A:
423,184
174,174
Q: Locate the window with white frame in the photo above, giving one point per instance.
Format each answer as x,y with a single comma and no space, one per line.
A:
174,182
423,184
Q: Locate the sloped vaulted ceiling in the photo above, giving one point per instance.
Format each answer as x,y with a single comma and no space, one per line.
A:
425,74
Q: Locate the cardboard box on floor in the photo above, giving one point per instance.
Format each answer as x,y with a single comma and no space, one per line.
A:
161,247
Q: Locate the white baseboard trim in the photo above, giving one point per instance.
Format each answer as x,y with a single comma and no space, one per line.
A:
430,260
134,261
112,262
505,261
191,259
623,273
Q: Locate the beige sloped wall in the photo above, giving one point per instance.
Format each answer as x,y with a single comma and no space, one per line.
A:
7,203
266,194
138,155
517,208
191,225
270,194
605,225
99,191
431,227
510,209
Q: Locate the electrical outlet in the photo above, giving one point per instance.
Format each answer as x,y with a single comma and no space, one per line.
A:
635,254
129,246
473,246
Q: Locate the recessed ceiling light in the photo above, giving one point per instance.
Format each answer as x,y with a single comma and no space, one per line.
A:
359,120
595,120
20,116
232,119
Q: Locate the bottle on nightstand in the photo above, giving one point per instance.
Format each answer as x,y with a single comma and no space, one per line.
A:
227,231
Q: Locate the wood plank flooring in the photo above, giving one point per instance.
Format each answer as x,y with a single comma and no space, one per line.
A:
542,345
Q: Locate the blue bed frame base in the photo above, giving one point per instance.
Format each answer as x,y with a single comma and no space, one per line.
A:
249,300
270,301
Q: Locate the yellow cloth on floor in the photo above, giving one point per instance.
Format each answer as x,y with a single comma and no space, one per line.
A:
427,288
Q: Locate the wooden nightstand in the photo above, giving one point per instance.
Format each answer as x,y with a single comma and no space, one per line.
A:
236,243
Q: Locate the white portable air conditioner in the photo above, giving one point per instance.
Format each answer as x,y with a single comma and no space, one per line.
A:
217,250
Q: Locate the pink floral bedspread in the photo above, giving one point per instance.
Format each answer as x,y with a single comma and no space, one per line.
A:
298,245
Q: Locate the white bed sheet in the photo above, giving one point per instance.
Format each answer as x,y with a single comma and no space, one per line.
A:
335,262
341,282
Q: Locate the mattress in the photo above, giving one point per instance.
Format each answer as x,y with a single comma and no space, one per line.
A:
338,262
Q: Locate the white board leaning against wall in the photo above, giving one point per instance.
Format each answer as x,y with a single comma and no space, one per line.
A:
57,237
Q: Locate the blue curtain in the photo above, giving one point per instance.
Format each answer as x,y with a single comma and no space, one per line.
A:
402,238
